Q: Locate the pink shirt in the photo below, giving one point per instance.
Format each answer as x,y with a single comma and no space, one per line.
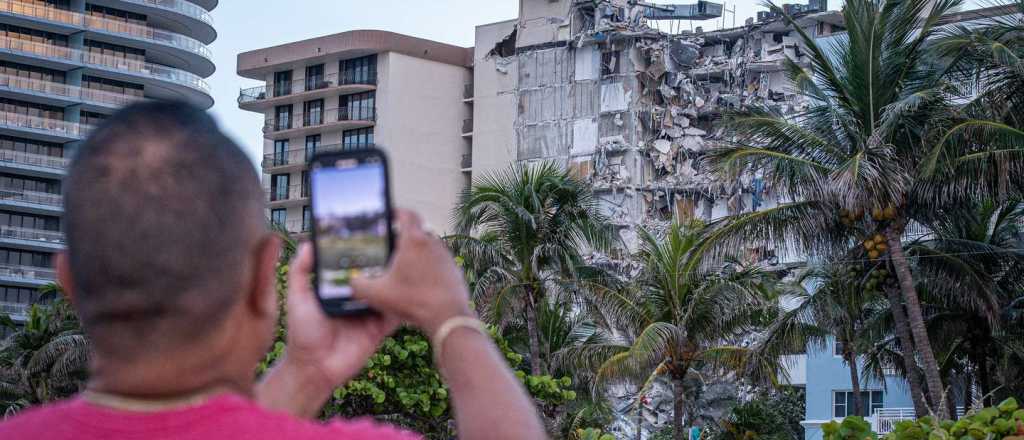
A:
223,417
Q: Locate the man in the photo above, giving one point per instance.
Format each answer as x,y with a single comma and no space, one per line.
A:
171,269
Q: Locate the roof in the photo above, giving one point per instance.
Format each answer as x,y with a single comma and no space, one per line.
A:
256,64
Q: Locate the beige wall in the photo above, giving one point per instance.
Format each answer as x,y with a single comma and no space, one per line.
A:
542,21
420,113
494,102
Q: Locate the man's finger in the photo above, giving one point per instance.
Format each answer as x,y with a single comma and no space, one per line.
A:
299,271
408,222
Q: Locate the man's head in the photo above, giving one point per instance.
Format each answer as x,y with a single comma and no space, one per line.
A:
167,246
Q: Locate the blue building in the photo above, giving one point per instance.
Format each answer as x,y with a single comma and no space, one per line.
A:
829,395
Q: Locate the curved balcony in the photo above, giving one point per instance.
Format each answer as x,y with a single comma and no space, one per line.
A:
303,89
65,93
307,123
31,201
44,128
112,64
33,164
192,18
197,54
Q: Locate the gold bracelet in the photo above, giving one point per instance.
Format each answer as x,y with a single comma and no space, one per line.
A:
448,327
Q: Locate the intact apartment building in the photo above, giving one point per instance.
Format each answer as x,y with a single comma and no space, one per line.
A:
65,66
405,95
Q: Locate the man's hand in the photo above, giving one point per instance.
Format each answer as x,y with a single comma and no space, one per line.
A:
322,352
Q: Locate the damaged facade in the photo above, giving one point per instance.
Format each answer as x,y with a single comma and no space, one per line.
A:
595,86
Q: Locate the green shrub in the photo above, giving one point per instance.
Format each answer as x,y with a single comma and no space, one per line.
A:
1002,422
851,428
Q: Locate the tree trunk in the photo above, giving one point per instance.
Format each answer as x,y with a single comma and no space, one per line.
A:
536,366
640,418
677,409
984,381
851,361
907,351
916,320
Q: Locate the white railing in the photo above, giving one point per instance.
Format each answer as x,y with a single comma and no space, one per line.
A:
69,91
35,197
15,310
71,129
105,24
39,160
884,420
29,272
179,6
96,59
31,234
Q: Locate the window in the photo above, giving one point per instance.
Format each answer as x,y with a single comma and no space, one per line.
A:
32,35
32,109
279,187
29,221
283,83
358,107
113,86
315,77
361,70
837,349
356,139
842,403
14,257
279,217
23,183
25,71
313,113
312,144
92,118
114,14
305,184
283,117
307,219
115,50
281,152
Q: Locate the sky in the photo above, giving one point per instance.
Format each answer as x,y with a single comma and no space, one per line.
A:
361,190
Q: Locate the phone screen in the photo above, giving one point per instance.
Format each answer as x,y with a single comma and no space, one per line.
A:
351,217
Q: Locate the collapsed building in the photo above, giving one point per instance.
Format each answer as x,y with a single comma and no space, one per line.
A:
597,87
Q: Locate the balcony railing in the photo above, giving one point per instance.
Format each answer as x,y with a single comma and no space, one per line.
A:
29,272
39,160
316,119
467,91
70,129
296,226
96,59
35,197
467,126
180,6
105,24
71,92
291,192
14,309
301,85
884,420
17,233
302,155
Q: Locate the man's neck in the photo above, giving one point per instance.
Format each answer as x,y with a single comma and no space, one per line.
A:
166,377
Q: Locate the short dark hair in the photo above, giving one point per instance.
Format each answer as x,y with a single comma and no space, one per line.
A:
162,212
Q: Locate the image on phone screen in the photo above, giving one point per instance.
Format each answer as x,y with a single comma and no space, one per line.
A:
350,207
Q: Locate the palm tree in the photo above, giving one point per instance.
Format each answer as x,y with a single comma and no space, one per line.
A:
682,321
532,226
839,300
881,143
44,359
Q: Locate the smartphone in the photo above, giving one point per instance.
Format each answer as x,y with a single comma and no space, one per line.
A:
351,204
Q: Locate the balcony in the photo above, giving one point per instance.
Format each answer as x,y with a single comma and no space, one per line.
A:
467,127
17,311
884,420
32,201
72,94
307,123
33,163
467,162
35,239
467,92
281,196
303,89
107,62
44,128
27,275
298,158
295,226
199,23
106,25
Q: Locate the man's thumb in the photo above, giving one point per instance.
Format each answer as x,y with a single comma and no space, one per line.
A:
369,290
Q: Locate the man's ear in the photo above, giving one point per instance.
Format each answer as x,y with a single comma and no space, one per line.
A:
67,286
263,282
